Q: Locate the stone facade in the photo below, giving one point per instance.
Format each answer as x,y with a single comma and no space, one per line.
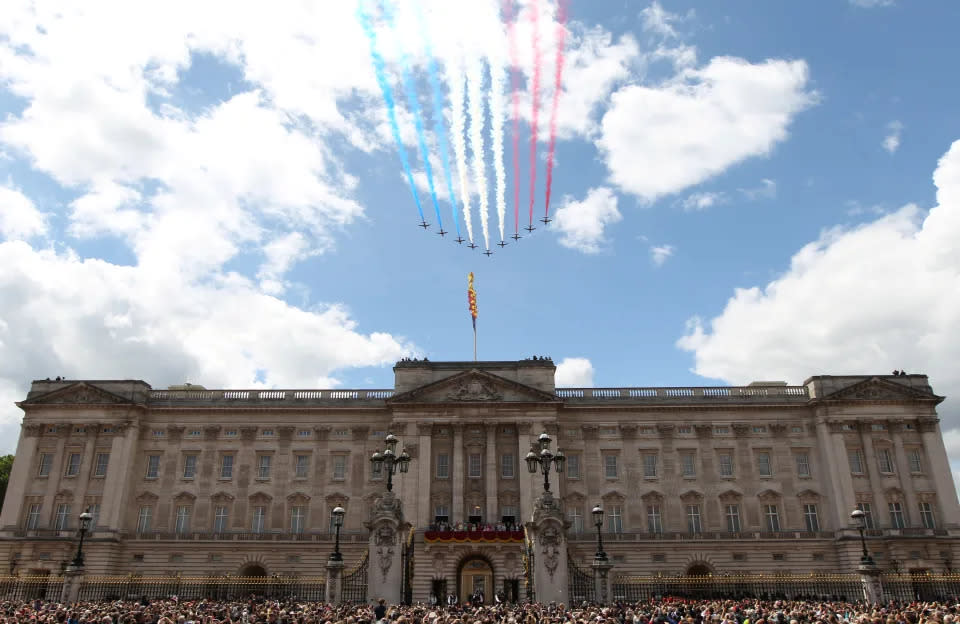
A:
756,478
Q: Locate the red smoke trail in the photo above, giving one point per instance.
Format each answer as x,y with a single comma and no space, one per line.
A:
557,82
537,61
509,13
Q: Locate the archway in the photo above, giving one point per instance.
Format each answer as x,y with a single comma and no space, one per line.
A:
699,569
475,573
253,569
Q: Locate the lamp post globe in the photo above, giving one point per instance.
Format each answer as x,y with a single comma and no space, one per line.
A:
545,460
387,460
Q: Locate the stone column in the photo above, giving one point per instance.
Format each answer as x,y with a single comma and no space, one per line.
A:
72,579
872,587
458,474
836,464
334,586
119,480
938,467
601,581
548,531
912,511
872,470
524,478
24,467
388,531
424,515
490,474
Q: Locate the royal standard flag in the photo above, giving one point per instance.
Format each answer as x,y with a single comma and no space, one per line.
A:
472,299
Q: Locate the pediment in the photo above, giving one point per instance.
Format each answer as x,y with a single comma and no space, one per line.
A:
222,497
147,497
260,497
473,386
80,393
808,493
768,495
652,496
730,495
691,495
878,389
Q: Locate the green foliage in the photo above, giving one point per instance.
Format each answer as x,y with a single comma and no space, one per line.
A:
6,463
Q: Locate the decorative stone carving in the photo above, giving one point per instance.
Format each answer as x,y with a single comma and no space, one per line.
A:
778,429
730,496
32,430
322,432
387,527
666,430
927,425
175,432
211,432
83,393
590,432
628,432
285,433
474,390
385,540
769,495
549,539
876,389
740,429
222,497
704,430
248,433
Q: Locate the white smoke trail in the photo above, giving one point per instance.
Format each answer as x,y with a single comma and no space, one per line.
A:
498,83
458,100
475,135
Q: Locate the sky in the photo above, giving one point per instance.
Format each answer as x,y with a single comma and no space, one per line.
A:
212,193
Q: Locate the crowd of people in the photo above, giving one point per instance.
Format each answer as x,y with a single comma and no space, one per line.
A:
661,611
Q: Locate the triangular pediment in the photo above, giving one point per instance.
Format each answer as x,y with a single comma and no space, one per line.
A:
473,386
878,389
80,393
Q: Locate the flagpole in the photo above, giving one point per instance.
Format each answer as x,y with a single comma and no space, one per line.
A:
474,341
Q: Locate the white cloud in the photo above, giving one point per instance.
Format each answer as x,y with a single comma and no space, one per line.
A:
870,4
658,20
660,140
110,321
892,141
279,255
19,217
660,253
767,189
881,296
703,201
574,372
581,223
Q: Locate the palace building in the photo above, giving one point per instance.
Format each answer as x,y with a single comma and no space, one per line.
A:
697,480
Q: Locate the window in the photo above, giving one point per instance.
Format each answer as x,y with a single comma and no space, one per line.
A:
159,433
760,429
615,519
33,516
62,520
763,464
259,515
649,465
726,464
693,519
732,513
441,513
721,430
610,466
855,457
575,516
772,517
230,433
803,464
46,461
654,519
685,430
194,433
474,466
339,467
226,466
296,519
301,466
94,510
189,466
810,518
263,466
878,427
100,464
443,466
267,433
303,433
507,466
915,460
688,464
926,516
73,465
796,429
221,519
144,519
885,460
153,466
183,519
896,515
867,515
573,466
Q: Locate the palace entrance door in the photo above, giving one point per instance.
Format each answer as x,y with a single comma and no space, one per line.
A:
475,574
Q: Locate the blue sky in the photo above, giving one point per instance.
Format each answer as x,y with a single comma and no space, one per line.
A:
743,190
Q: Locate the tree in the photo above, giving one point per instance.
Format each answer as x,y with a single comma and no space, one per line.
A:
6,463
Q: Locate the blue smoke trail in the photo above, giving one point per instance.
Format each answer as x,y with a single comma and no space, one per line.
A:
410,87
380,68
438,122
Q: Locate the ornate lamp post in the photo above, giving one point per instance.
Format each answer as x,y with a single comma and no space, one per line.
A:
85,518
337,513
544,460
598,522
389,461
860,519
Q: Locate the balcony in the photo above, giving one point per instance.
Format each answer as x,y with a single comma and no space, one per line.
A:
699,394
278,398
475,536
